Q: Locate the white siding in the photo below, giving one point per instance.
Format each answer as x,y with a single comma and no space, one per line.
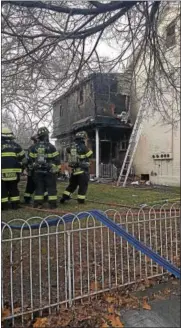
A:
158,137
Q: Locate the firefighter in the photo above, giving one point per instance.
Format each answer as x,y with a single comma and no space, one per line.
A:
12,156
30,186
79,155
45,160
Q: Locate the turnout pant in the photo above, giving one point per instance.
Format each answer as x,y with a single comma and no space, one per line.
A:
30,188
9,192
80,181
45,181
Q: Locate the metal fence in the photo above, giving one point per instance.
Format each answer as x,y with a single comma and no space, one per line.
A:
108,171
49,266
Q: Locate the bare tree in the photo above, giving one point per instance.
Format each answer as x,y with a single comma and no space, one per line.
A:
48,45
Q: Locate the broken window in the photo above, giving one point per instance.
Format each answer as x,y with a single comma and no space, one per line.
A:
170,35
81,96
113,86
122,104
61,110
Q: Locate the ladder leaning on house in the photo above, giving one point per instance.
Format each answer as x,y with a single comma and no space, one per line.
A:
133,142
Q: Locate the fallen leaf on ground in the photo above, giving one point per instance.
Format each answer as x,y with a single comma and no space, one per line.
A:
104,325
40,323
94,285
111,309
114,320
5,313
146,306
166,291
147,283
159,297
110,299
17,310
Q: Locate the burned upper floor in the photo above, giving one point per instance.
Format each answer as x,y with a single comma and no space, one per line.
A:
99,95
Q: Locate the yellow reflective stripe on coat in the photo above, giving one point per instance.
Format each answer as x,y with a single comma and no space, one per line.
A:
82,156
9,179
56,153
36,197
4,200
14,199
18,170
77,172
81,196
90,152
32,155
22,153
8,154
52,197
67,193
26,194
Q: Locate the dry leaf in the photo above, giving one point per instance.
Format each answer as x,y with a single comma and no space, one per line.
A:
111,309
17,310
146,306
40,323
166,291
159,297
174,282
94,285
104,325
114,320
147,283
64,322
5,313
110,299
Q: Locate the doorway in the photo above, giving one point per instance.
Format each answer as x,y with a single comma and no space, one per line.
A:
105,151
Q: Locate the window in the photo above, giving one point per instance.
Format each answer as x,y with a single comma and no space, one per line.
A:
61,110
113,86
81,96
170,35
122,104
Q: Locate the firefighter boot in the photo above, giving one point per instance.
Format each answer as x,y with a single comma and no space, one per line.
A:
27,200
62,200
45,197
52,205
15,206
37,205
81,201
4,206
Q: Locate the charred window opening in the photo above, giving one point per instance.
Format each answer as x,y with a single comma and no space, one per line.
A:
113,87
81,96
122,104
61,110
170,35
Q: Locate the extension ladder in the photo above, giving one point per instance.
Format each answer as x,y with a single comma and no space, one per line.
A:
133,142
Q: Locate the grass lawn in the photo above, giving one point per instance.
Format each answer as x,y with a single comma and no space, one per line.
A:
100,260
105,193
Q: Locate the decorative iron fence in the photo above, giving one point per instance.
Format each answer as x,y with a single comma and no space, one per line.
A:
47,266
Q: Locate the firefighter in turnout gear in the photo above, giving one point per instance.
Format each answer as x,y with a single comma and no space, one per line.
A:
11,168
79,155
45,160
30,186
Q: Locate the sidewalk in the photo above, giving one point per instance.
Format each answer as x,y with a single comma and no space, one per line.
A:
163,313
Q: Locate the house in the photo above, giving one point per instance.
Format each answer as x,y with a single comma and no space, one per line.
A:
157,157
98,105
